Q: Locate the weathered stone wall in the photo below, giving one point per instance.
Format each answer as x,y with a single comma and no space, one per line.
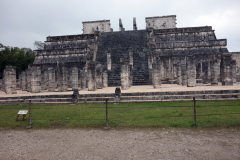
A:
9,80
161,22
236,57
90,26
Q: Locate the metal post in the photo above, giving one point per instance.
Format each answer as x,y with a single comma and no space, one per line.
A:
194,111
30,113
106,113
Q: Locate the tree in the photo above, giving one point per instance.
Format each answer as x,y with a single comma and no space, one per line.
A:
38,45
19,57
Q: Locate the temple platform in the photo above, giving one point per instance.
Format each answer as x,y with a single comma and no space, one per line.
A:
143,93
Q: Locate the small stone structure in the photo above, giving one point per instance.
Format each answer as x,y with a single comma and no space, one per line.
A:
159,54
9,80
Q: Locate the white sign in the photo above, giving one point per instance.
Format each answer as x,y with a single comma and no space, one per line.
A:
23,112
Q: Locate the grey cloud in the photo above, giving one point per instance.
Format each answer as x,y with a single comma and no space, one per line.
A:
24,21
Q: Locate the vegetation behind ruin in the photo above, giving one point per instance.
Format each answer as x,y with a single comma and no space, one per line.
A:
19,57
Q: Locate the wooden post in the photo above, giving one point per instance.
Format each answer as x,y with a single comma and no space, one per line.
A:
30,113
194,111
106,113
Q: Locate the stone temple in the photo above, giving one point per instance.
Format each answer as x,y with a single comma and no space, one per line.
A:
101,57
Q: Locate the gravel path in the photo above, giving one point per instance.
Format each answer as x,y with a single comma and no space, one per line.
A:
120,144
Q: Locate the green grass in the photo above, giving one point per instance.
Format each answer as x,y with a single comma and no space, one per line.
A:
162,114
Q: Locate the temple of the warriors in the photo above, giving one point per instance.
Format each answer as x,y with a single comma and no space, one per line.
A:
101,57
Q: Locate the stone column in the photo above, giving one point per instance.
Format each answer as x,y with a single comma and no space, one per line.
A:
209,69
91,69
125,74
227,77
105,79
130,76
51,80
233,62
156,72
9,80
174,71
36,79
24,81
20,80
28,76
74,78
184,71
179,74
44,80
99,76
62,78
214,71
150,61
191,71
83,79
205,72
198,70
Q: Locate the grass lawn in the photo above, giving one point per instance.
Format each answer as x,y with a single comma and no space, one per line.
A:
158,114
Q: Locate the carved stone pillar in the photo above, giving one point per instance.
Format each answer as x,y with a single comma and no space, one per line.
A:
44,80
156,72
191,71
83,79
125,74
233,62
29,75
209,69
36,79
9,80
150,61
62,78
227,77
184,71
130,76
105,79
91,69
51,80
20,80
24,81
99,76
179,74
74,78
174,71
214,71
205,72
198,70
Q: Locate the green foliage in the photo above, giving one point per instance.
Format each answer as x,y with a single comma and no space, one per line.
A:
14,56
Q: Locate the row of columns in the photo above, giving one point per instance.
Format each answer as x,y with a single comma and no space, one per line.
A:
187,72
92,77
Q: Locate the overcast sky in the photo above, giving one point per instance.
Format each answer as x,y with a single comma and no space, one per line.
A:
24,21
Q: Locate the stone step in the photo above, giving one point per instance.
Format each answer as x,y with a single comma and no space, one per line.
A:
127,97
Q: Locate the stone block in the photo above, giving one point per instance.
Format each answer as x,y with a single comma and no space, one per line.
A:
156,75
91,70
36,79
9,80
191,71
99,76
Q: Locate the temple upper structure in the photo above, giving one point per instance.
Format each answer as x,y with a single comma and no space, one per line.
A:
161,53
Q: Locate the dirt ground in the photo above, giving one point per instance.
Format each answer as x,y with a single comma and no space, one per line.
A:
157,143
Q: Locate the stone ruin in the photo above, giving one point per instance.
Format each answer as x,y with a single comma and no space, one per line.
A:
101,57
